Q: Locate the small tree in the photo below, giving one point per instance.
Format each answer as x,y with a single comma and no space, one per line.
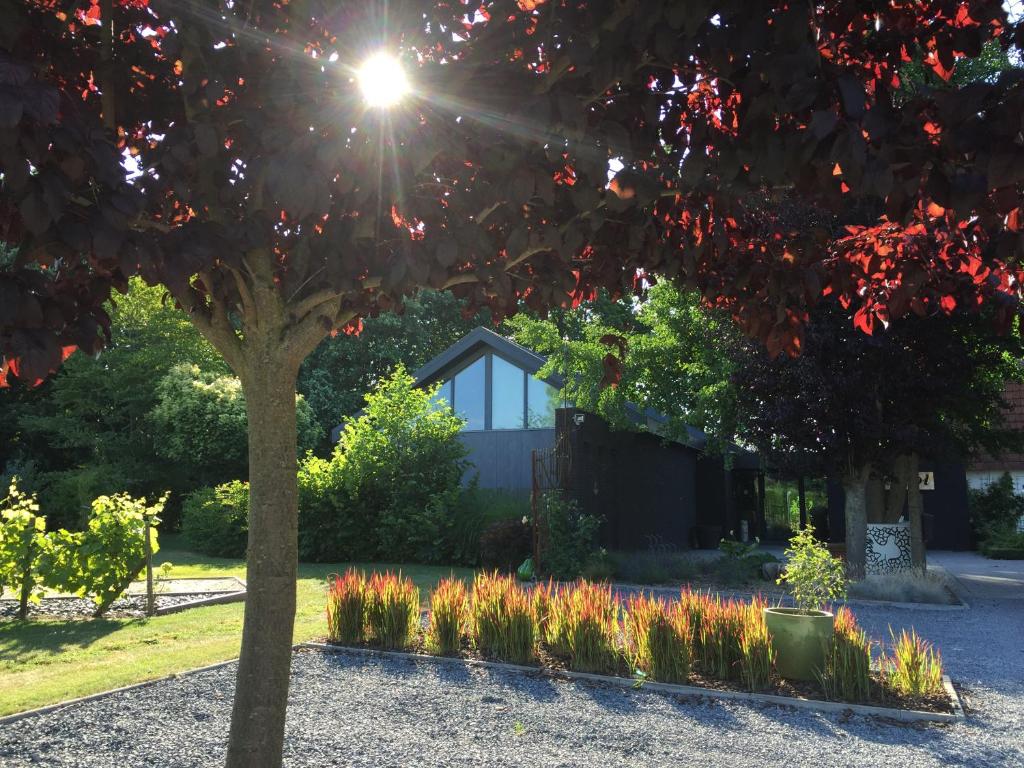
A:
814,576
23,546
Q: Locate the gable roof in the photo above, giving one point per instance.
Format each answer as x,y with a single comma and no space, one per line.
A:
482,339
476,341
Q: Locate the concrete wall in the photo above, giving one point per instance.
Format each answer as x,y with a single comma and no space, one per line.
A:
502,456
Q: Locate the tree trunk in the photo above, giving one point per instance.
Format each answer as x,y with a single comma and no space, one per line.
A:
261,692
801,490
918,557
855,486
26,573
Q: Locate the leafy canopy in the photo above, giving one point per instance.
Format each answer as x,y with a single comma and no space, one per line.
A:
259,171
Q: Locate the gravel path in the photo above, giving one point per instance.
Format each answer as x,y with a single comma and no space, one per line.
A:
350,710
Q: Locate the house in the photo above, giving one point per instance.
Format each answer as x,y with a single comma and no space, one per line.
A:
521,434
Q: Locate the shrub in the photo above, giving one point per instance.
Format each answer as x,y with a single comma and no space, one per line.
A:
215,521
392,484
113,547
392,610
503,620
926,587
660,639
569,537
756,655
658,564
814,576
590,626
995,510
478,509
913,667
346,608
449,614
67,495
23,546
505,544
847,670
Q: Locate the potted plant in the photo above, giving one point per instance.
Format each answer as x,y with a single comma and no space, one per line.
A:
801,635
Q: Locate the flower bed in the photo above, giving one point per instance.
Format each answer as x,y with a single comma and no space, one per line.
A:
698,639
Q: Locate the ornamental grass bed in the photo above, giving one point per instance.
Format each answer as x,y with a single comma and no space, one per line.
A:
697,639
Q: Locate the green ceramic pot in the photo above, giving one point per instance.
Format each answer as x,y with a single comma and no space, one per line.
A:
800,641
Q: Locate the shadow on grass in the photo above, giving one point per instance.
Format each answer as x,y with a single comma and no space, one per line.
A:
21,640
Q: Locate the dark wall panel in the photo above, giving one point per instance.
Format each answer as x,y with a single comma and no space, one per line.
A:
502,456
946,522
642,486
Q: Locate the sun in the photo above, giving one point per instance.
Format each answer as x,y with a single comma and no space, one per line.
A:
382,80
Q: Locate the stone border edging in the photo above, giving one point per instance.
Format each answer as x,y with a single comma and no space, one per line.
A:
12,718
891,713
227,597
240,587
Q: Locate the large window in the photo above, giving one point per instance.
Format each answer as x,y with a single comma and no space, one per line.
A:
517,400
508,388
469,394
542,400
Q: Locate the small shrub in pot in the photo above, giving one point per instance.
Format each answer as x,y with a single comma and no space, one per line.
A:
801,636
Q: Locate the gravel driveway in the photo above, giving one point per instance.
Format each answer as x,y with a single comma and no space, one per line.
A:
351,710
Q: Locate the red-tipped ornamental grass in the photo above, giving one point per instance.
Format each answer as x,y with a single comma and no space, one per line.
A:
590,623
756,654
449,616
720,639
502,618
393,610
913,667
848,666
696,606
346,608
659,638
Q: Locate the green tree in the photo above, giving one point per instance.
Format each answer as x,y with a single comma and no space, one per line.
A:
199,422
679,356
87,432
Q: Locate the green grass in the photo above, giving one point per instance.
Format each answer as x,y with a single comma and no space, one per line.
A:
43,661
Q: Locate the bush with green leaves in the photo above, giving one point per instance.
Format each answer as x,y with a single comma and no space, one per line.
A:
479,509
569,539
112,550
215,521
392,485
995,514
505,544
814,576
200,424
23,547
99,562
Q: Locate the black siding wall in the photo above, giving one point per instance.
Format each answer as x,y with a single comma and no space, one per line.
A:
641,485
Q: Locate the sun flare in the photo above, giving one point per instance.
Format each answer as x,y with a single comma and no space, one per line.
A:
382,80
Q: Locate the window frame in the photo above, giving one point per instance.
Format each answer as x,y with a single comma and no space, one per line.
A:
488,355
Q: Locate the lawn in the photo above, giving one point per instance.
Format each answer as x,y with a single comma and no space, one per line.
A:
44,662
